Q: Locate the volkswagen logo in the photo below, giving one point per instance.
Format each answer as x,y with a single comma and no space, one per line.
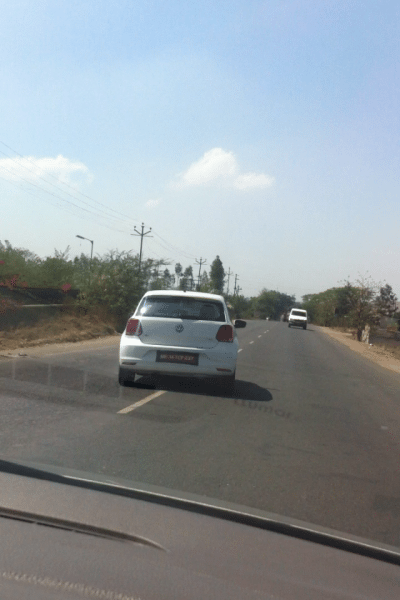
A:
179,328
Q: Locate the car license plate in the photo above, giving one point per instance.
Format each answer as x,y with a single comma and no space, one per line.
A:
185,358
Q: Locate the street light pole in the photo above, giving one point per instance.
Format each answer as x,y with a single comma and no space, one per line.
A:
91,254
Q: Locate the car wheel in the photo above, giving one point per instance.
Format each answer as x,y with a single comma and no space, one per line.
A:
288,324
125,378
304,326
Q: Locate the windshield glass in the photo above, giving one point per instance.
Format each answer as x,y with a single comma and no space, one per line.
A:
173,307
298,313
168,147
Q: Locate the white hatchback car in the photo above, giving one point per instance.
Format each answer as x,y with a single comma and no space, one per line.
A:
189,334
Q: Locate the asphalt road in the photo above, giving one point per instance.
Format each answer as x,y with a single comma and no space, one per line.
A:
312,432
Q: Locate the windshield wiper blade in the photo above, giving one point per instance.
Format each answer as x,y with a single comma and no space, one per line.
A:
67,525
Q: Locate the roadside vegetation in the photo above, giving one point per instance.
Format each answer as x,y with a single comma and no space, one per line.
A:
98,295
353,306
363,310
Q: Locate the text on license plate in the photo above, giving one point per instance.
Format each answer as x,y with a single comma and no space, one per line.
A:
178,357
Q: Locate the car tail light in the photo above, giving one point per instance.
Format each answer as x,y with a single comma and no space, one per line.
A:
225,333
133,327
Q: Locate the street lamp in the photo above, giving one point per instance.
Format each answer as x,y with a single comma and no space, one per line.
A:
91,253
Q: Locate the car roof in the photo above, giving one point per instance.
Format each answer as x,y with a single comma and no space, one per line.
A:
182,294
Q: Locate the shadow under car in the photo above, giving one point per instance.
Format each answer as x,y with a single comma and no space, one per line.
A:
244,390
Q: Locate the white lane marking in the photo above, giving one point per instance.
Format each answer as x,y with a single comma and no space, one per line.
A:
259,336
240,349
251,342
140,403
266,331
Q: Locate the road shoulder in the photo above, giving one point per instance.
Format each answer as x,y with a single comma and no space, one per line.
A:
376,354
63,347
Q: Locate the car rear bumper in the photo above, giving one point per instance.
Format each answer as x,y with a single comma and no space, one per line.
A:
142,359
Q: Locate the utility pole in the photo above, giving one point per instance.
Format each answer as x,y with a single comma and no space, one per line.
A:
234,290
142,234
201,262
238,290
227,287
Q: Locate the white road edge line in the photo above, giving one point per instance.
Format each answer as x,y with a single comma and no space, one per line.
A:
240,349
252,342
132,407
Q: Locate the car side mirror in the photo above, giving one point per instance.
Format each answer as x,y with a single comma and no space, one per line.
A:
239,324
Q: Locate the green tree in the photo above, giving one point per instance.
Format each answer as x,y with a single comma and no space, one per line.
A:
186,282
386,301
168,280
362,311
354,304
56,270
239,307
22,268
321,308
205,283
270,303
18,266
217,276
116,285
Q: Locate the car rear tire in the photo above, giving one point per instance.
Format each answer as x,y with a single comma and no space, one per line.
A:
288,324
304,326
125,378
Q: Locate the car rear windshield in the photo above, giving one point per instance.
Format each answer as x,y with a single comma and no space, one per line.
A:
299,313
175,307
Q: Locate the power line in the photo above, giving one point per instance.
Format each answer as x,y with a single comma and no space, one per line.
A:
56,195
64,208
175,248
27,158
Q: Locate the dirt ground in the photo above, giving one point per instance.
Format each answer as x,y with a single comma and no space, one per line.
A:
60,331
385,353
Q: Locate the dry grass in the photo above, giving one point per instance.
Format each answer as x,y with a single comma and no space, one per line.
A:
64,328
389,347
392,350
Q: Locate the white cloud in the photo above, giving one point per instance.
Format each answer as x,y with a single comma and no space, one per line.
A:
249,181
31,169
219,166
214,164
153,203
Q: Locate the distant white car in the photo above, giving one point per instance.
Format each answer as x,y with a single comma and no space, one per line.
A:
189,334
298,317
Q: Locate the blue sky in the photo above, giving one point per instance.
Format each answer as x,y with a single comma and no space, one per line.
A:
266,132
